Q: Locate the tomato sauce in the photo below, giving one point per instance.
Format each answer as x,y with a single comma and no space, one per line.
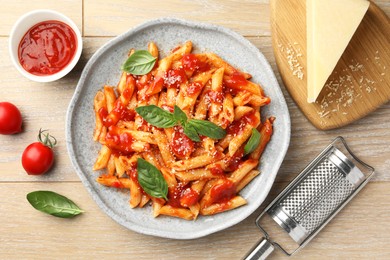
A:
182,196
216,170
119,112
181,145
155,86
119,143
192,64
234,161
143,81
223,192
133,174
235,81
47,48
237,126
174,78
194,89
117,184
216,97
129,89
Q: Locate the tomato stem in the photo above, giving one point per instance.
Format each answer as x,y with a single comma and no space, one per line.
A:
49,140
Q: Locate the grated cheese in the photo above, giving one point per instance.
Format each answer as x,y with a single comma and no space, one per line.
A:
343,87
293,54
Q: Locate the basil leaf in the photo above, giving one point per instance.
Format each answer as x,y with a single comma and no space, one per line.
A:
157,116
141,62
180,116
253,142
53,203
191,133
207,128
151,179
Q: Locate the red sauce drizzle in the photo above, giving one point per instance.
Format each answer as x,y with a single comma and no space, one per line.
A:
142,83
47,48
103,114
119,112
192,64
234,161
189,197
182,196
119,143
194,89
223,192
117,184
235,81
181,145
133,174
216,170
174,78
216,96
237,126
156,85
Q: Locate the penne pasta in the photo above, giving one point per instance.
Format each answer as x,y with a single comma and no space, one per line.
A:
224,206
187,155
102,159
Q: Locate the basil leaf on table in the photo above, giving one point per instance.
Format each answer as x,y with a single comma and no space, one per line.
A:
207,128
151,179
180,116
53,203
253,142
157,116
141,62
191,133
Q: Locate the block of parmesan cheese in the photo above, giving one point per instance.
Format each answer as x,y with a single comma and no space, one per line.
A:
330,25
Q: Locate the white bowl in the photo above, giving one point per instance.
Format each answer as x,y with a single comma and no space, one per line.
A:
27,21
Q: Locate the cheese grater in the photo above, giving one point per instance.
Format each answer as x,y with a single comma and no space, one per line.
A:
314,197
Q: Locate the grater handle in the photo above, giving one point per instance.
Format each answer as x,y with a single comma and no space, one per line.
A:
261,250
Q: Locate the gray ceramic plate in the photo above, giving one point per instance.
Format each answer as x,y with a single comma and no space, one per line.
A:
104,68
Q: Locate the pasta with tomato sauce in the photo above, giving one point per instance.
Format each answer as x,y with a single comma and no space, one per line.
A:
183,133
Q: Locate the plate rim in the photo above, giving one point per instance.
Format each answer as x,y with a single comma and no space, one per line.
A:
86,183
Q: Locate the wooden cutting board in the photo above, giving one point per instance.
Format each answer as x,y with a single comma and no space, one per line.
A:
359,84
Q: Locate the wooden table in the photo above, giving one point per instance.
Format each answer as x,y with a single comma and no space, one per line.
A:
361,230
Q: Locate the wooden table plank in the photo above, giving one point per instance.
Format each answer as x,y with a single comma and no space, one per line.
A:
250,18
357,232
12,10
106,18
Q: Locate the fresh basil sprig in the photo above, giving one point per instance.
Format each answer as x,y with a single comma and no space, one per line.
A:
253,142
141,62
180,116
191,133
159,117
151,179
53,203
207,128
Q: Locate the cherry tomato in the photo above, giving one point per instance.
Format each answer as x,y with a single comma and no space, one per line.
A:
10,119
38,157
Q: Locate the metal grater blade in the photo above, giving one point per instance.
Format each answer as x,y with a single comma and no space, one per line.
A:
314,197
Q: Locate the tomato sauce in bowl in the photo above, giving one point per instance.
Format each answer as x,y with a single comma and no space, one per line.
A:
45,45
47,48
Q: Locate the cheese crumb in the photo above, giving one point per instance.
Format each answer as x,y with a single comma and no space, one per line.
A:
342,91
293,55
